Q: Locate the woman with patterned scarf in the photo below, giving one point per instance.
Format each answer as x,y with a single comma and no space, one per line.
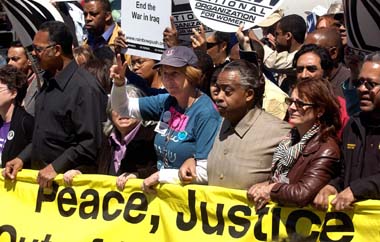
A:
307,159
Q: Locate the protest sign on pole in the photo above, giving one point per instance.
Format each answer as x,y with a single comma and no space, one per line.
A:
227,15
185,20
143,23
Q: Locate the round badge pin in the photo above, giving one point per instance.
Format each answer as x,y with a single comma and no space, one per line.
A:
182,135
166,116
11,135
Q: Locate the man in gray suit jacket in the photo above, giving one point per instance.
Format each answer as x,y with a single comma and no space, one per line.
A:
242,152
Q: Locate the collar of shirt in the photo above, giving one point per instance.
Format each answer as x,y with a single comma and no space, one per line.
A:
107,35
62,77
127,139
96,42
244,124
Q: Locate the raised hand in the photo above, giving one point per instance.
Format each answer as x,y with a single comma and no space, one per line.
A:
198,39
117,72
171,34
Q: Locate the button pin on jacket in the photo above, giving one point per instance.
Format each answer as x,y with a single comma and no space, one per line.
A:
10,135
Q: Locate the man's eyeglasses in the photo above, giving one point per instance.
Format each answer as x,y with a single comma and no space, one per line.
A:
40,49
368,83
299,104
210,45
299,69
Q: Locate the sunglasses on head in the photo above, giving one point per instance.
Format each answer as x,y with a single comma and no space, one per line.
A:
299,104
368,83
210,44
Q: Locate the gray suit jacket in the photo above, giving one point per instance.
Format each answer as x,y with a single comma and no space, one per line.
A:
242,156
30,96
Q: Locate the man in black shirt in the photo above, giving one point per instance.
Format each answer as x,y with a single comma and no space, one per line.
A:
360,176
69,111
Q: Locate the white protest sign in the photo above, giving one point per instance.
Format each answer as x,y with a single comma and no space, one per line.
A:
143,23
185,20
227,15
362,23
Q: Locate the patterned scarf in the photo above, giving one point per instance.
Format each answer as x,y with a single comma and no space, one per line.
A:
286,154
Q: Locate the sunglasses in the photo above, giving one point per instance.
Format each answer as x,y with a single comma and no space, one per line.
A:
40,49
368,83
210,45
299,69
299,104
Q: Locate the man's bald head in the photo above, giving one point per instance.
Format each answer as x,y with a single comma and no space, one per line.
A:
327,38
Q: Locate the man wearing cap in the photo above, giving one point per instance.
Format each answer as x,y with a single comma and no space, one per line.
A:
335,19
187,118
268,27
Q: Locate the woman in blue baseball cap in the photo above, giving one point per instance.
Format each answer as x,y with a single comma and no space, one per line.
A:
187,119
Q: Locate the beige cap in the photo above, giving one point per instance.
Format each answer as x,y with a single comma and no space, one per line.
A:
272,19
335,8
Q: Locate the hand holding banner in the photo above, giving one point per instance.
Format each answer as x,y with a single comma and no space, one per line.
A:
94,210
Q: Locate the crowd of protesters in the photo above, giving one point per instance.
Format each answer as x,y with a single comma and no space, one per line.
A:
291,117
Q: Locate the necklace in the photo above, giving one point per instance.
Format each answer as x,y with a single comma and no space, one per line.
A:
175,123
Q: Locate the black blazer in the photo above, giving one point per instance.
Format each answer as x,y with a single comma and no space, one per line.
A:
22,124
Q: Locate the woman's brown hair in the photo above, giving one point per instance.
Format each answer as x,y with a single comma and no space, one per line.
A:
319,92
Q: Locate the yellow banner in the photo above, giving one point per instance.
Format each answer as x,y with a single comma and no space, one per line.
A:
94,210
